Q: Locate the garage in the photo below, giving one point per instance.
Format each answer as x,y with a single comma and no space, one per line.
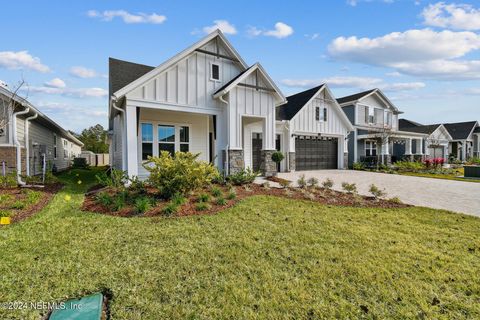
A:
315,153
436,152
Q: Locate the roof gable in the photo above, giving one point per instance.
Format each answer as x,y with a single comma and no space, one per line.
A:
154,72
121,73
461,130
358,97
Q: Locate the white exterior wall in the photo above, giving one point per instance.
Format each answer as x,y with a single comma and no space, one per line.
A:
380,107
248,102
199,129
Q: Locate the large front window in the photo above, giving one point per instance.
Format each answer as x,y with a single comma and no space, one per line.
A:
184,139
370,148
166,139
147,140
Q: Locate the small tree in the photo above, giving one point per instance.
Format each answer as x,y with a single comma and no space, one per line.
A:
328,184
277,157
94,139
376,192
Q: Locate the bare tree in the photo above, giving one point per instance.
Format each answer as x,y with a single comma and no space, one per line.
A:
381,135
9,104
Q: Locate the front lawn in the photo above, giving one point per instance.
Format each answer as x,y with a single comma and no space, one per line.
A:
266,257
455,174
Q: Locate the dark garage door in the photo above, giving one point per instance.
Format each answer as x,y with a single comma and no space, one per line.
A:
313,153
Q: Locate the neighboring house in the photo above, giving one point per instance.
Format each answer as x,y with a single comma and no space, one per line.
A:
30,137
377,137
312,127
465,136
203,100
438,140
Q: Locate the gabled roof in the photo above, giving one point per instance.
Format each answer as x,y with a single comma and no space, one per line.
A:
461,130
428,129
154,72
295,103
243,75
404,123
121,73
354,98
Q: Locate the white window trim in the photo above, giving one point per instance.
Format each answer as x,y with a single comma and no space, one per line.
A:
141,139
65,149
370,145
219,72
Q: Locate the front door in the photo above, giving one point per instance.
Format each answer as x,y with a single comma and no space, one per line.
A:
256,151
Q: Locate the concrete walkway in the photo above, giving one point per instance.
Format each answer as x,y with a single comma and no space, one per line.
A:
457,196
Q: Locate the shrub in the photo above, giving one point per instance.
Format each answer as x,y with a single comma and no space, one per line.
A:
327,184
178,199
203,197
301,182
244,176
179,174
409,166
202,206
284,183
377,192
221,201
9,180
116,179
349,187
18,205
142,204
137,185
216,191
170,209
277,157
232,194
312,182
80,163
5,213
50,178
104,199
358,166
266,185
395,200
119,202
474,160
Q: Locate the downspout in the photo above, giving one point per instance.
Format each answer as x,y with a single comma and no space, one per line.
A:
227,169
17,144
27,144
124,134
287,127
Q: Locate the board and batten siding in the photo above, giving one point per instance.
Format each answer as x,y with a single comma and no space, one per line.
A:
188,82
248,102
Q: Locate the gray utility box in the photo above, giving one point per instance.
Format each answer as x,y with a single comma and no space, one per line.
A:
472,171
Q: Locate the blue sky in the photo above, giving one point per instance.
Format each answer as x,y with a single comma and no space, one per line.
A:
425,55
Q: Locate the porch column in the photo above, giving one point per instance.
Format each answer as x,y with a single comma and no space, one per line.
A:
385,146
132,141
419,146
408,146
427,153
445,153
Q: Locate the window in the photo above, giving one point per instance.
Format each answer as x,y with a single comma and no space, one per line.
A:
388,118
369,115
370,148
215,72
317,113
147,140
54,146
166,139
324,114
184,139
65,149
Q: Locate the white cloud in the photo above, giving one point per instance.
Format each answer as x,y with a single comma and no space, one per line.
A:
282,30
353,82
454,16
354,3
71,92
393,74
416,52
21,60
312,36
55,83
82,72
127,17
224,26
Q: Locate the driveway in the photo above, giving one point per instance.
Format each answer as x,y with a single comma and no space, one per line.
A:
450,195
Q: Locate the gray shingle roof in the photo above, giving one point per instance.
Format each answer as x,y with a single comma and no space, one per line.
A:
121,73
354,97
295,103
460,130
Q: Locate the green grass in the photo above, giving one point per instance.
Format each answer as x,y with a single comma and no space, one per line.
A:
265,258
459,172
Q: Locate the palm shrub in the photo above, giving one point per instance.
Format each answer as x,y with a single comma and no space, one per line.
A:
181,173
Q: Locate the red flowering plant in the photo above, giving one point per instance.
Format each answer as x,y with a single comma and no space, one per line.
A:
428,163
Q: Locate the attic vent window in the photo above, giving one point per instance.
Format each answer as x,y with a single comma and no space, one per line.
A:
215,72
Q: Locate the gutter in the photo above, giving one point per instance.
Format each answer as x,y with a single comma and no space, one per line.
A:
27,144
17,144
124,134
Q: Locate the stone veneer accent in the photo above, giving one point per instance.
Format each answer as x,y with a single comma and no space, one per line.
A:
9,155
268,166
236,161
291,161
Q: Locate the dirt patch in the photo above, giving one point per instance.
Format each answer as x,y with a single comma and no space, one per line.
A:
19,194
320,195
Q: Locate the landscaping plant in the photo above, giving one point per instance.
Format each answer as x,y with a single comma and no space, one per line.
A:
376,192
203,197
9,180
232,194
181,173
301,182
202,206
142,204
116,179
349,187
216,191
170,209
327,184
221,201
312,182
244,176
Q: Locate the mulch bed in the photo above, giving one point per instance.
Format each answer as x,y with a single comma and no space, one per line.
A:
319,195
47,194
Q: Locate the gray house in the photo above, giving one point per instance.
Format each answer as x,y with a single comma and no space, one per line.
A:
376,136
29,139
465,139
